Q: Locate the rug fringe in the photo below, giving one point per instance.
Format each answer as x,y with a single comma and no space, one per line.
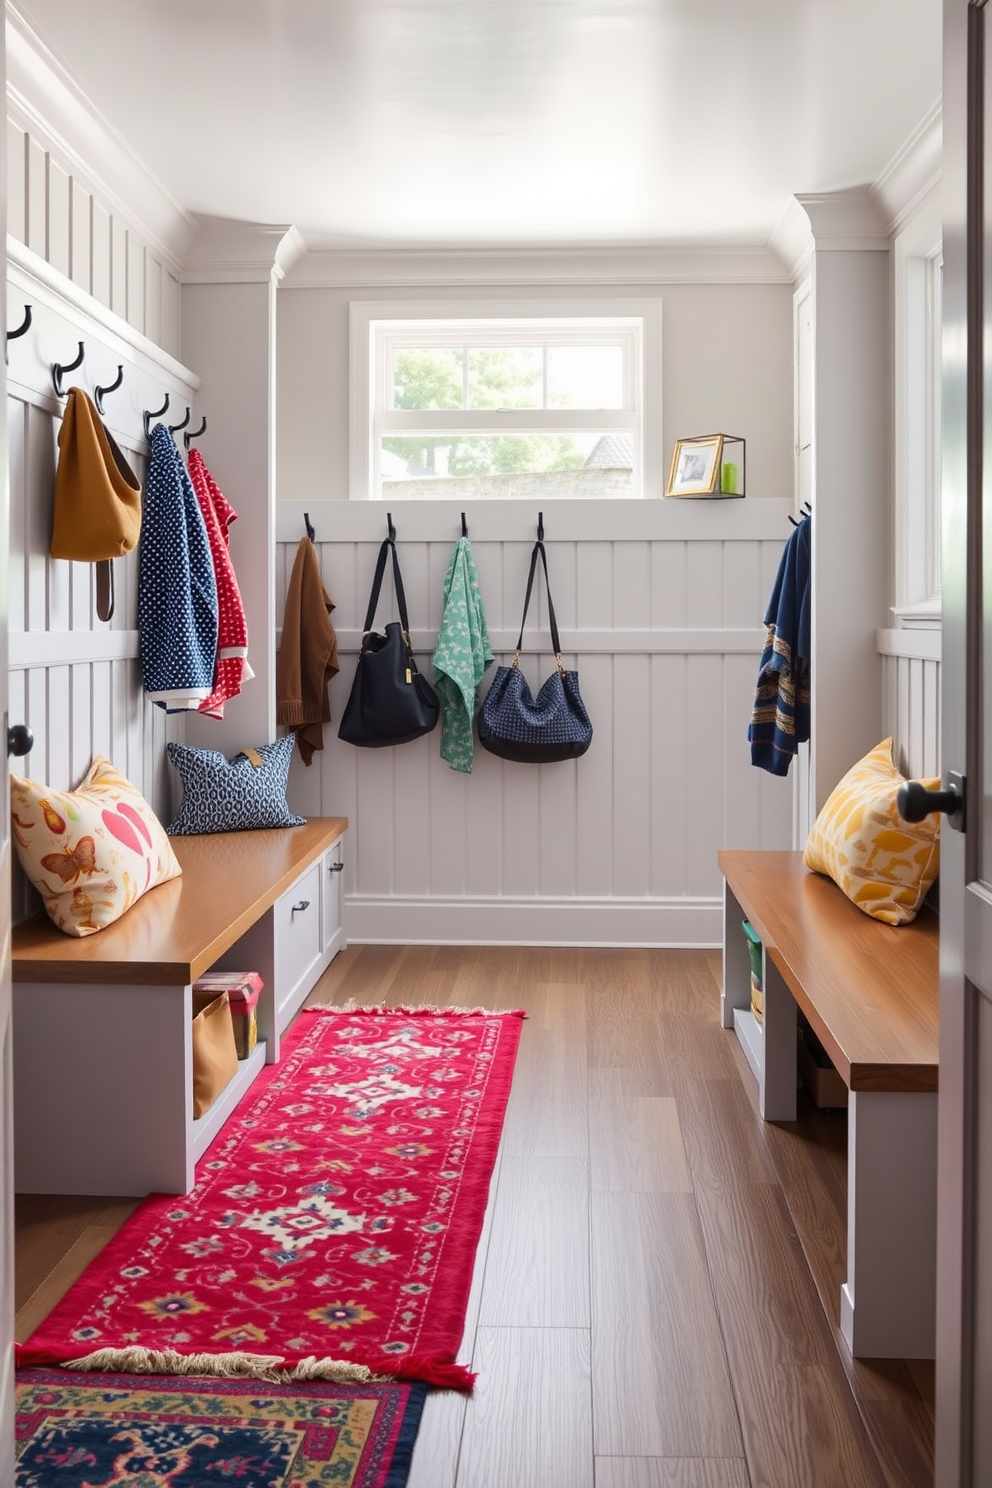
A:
428,1368
413,1009
241,1365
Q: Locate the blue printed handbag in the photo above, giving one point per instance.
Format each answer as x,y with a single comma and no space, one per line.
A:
515,725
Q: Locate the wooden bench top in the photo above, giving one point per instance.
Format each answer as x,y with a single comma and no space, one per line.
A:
869,990
177,930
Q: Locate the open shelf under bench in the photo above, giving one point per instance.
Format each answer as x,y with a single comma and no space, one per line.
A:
103,1075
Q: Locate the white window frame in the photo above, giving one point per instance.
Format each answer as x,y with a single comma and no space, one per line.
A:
376,326
917,259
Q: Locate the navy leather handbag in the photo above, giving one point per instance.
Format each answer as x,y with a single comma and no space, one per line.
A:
515,725
390,702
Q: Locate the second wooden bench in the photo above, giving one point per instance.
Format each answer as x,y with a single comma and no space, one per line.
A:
870,994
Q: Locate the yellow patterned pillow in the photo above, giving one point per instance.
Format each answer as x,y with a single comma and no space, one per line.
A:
885,865
92,852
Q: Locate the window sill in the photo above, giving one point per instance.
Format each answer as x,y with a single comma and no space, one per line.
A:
925,615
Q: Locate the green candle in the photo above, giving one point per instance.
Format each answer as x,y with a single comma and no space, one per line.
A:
728,476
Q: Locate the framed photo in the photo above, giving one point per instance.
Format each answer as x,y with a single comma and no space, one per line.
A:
696,467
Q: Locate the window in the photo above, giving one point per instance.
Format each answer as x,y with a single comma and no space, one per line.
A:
481,406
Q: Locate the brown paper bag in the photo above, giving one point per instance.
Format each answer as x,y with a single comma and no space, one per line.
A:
215,1056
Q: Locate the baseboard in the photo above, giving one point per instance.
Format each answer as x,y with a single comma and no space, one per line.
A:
382,920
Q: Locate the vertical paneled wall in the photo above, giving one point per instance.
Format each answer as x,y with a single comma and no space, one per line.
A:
618,847
74,679
911,698
55,210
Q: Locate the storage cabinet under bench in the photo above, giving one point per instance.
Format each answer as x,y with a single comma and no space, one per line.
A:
103,1076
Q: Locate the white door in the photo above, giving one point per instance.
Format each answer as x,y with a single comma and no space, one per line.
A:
964,1244
6,1118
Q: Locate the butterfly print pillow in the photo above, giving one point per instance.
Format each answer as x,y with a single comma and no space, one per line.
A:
91,853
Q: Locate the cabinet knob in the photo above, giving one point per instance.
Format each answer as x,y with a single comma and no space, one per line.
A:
303,904
335,867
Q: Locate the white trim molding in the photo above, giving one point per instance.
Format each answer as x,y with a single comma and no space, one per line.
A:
46,285
753,519
231,252
588,642
49,648
846,221
647,922
328,268
914,172
917,645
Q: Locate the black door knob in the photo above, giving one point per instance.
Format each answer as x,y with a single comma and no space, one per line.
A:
915,801
20,739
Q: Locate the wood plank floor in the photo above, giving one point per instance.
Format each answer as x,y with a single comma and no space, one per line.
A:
656,1293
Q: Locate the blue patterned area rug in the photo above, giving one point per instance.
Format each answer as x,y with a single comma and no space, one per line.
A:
116,1431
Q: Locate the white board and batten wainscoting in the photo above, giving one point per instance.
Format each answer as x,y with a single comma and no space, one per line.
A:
75,680
659,604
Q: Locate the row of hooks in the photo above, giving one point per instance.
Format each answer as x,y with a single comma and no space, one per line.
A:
188,436
391,529
311,534
806,511
59,369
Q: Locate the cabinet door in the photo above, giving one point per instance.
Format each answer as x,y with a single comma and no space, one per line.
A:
331,870
298,947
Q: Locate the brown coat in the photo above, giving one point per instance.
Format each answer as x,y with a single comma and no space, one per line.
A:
308,654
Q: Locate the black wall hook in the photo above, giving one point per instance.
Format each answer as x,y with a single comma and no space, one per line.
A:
148,415
98,392
195,433
24,326
174,428
464,526
58,368
391,529
311,534
540,526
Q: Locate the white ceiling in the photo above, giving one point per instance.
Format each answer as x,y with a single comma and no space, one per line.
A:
434,123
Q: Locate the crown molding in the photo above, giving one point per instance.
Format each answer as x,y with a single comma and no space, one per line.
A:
865,217
913,174
330,268
43,97
225,251
829,221
792,241
846,221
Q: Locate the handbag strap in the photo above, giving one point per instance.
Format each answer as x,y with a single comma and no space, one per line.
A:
555,642
380,570
105,589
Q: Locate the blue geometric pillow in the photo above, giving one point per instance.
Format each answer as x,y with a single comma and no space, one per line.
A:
238,795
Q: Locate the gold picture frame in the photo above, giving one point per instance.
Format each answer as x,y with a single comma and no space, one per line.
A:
700,469
696,466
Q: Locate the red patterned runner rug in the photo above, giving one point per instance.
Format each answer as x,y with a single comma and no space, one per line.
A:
332,1229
